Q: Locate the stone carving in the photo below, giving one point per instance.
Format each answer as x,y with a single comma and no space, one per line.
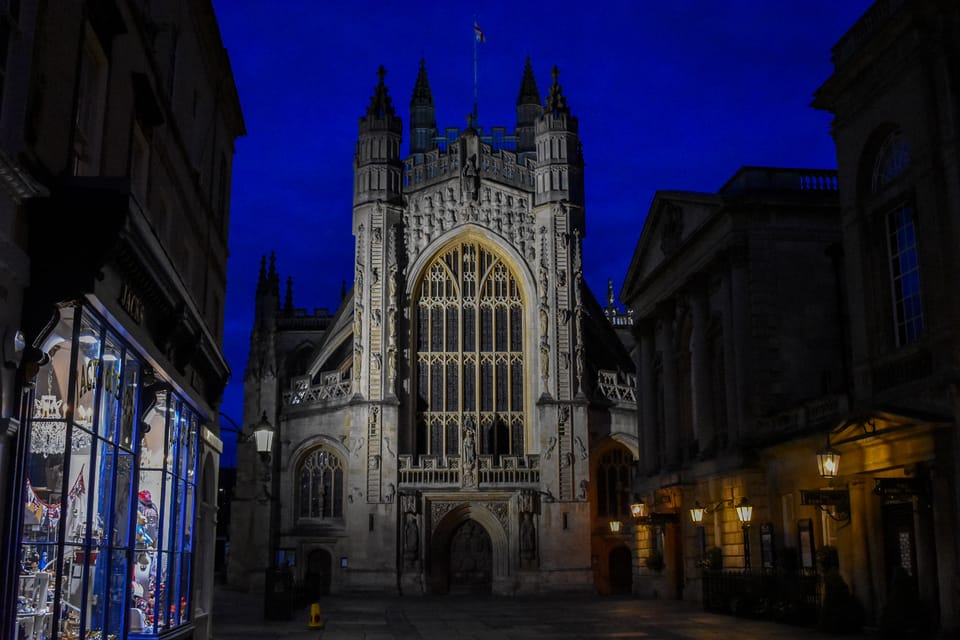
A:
581,449
411,540
500,510
438,510
544,363
409,503
377,361
528,537
469,460
391,369
376,317
376,235
357,444
527,501
584,487
390,493
375,273
551,445
567,460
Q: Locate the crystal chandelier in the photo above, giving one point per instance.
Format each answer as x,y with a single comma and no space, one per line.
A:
48,437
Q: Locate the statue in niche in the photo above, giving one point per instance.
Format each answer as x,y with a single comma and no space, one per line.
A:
390,493
411,539
391,368
544,362
376,235
528,539
377,361
470,179
469,461
376,317
375,273
544,320
358,286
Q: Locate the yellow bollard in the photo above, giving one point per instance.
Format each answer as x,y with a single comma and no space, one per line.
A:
316,620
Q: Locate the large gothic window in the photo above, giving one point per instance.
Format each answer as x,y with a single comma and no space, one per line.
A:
320,485
469,360
613,483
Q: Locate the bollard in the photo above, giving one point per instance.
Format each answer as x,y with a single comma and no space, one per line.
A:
316,619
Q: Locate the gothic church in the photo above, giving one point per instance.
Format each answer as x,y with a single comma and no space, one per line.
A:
466,420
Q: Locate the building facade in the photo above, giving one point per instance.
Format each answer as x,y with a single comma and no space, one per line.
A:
118,128
436,434
893,95
736,299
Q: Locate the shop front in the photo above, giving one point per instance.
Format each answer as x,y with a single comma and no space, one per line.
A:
109,494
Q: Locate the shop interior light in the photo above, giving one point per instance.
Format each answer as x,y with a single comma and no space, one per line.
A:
88,337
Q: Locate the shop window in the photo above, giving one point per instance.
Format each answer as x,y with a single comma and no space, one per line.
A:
87,513
320,485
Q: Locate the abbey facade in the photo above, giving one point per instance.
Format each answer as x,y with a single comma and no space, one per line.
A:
466,420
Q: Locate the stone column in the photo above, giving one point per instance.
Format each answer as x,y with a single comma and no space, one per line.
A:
740,304
703,431
647,428
671,432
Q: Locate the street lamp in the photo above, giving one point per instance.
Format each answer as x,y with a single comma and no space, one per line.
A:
615,526
263,433
638,509
745,514
828,462
696,512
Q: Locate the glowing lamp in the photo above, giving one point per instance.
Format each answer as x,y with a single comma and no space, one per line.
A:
638,509
615,526
696,513
828,462
263,433
744,511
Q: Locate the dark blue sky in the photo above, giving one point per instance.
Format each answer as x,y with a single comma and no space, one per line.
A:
674,95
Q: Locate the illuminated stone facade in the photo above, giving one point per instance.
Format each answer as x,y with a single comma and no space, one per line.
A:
436,432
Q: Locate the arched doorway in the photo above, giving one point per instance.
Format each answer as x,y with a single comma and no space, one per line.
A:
470,559
621,570
316,582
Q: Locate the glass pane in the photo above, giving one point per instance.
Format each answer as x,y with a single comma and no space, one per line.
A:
185,575
143,589
147,527
88,371
131,381
119,585
122,499
153,431
96,589
80,523
71,589
112,389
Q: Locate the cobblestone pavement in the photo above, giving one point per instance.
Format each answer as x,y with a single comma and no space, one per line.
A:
239,616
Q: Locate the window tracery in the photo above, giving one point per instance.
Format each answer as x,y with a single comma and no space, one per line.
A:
469,361
320,485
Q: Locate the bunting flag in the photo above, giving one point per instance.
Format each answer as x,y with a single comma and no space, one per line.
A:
478,32
40,509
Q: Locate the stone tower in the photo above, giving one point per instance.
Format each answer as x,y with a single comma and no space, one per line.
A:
441,421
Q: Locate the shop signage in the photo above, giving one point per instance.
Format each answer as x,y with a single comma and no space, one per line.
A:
898,489
131,303
825,497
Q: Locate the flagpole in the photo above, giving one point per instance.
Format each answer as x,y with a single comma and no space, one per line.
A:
475,54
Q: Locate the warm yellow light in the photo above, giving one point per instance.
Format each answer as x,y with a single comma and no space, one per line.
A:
696,513
638,510
615,526
744,511
828,463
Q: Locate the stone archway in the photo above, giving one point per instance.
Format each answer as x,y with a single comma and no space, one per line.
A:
470,560
468,552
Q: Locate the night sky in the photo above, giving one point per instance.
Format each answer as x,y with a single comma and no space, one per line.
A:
674,95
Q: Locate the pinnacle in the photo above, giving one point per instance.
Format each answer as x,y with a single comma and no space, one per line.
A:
529,94
556,102
380,103
421,90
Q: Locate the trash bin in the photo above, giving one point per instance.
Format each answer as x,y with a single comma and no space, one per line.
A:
278,595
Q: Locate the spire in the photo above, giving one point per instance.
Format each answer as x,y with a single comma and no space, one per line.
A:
262,279
288,299
421,89
556,102
528,110
529,94
423,120
273,280
380,103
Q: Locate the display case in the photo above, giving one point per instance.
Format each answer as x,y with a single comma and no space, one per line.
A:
106,542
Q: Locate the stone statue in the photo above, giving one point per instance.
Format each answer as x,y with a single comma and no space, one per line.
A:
411,539
528,539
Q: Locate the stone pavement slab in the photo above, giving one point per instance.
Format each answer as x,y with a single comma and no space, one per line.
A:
238,615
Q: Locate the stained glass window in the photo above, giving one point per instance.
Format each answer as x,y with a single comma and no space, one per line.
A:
469,368
320,485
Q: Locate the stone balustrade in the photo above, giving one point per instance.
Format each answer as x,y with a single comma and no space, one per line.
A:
617,386
494,471
334,388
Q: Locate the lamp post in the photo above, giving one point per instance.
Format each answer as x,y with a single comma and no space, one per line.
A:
745,514
696,516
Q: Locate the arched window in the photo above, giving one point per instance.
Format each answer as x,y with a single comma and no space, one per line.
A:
891,163
892,160
469,361
613,483
320,485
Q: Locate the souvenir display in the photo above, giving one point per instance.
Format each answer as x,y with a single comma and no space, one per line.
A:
105,551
